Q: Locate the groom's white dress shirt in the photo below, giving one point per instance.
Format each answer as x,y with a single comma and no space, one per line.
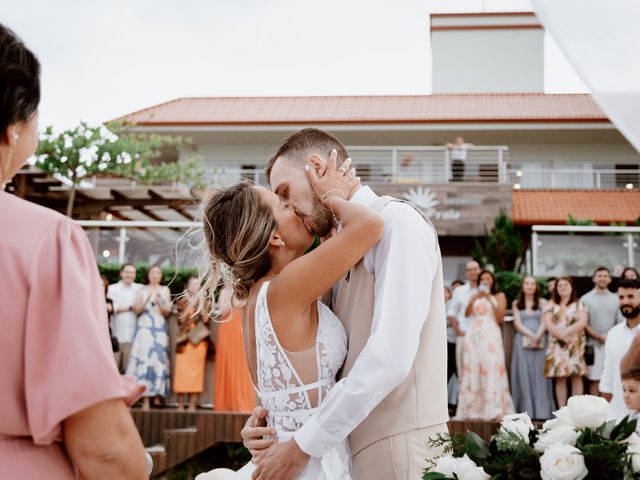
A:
404,264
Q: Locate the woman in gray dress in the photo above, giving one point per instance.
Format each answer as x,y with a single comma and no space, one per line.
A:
531,391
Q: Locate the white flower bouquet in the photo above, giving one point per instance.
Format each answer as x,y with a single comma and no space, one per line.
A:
577,444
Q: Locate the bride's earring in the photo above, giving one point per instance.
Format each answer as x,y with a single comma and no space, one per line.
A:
282,243
14,138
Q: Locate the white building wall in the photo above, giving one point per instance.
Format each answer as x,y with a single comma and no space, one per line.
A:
488,61
547,148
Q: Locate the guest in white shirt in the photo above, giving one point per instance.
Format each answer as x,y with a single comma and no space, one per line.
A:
456,309
616,346
604,313
458,158
123,296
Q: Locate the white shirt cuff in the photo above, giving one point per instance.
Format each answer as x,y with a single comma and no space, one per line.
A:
313,440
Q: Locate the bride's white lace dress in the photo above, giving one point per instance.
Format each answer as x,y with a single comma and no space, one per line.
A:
289,401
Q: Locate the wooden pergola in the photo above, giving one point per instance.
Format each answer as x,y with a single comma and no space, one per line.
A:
121,198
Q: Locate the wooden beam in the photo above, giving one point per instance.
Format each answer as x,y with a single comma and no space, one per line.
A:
182,212
50,202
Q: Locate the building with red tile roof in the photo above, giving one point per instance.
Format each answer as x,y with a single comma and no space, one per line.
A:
427,109
553,207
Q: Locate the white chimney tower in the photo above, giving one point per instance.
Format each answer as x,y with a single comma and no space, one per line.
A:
487,53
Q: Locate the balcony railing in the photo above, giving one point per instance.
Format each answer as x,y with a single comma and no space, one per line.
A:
428,165
574,178
433,165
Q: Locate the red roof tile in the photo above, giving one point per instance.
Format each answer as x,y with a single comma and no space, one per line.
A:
553,207
533,107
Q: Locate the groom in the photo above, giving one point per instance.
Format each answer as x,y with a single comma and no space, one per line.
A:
393,393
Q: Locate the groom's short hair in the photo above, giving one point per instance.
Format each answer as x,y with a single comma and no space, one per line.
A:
305,142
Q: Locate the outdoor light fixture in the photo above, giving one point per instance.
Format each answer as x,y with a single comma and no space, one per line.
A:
516,186
106,254
629,186
519,173
109,217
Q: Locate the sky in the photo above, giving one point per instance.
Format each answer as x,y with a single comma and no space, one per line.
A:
102,59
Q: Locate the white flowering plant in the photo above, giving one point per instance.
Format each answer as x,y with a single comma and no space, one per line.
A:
577,444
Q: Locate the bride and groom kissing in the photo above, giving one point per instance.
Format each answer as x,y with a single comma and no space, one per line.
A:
354,391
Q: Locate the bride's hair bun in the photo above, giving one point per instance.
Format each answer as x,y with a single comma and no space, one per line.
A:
19,81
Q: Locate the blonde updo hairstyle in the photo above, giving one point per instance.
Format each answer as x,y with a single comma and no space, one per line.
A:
237,230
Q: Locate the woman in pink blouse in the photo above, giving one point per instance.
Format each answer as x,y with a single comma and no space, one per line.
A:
62,414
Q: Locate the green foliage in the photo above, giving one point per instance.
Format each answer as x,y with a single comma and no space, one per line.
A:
501,246
476,447
512,458
604,458
190,172
114,149
453,443
623,429
433,476
175,279
571,220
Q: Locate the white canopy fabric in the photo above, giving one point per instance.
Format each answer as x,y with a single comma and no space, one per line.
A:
601,39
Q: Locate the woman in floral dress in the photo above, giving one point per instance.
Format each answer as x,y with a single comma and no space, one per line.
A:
565,319
484,390
149,362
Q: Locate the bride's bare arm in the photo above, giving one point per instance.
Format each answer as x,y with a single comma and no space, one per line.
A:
305,279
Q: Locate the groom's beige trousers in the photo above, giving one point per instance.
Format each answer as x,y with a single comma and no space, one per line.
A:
400,457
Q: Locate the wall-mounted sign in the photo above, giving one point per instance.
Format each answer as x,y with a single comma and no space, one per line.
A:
456,208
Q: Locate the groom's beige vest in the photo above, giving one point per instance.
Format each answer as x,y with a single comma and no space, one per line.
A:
421,400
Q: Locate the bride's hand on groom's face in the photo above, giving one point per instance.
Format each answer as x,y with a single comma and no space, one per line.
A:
333,179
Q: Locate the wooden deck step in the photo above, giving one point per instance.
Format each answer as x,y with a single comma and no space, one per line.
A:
174,437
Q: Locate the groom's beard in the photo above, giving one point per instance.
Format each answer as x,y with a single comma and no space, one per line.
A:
630,312
322,219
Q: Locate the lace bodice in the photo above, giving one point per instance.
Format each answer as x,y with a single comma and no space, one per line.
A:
280,388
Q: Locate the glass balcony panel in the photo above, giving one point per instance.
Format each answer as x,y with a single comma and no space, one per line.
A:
579,255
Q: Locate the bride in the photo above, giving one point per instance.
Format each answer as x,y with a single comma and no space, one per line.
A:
295,345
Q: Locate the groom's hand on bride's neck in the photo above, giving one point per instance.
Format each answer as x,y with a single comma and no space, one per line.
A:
282,461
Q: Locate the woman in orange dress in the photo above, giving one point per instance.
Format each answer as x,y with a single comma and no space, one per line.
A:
190,359
233,390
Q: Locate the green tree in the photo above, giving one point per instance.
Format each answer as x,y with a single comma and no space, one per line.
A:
501,246
114,149
571,220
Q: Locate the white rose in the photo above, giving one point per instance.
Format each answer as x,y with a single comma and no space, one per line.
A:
466,469
219,474
446,466
518,423
549,424
563,417
562,434
588,411
562,462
